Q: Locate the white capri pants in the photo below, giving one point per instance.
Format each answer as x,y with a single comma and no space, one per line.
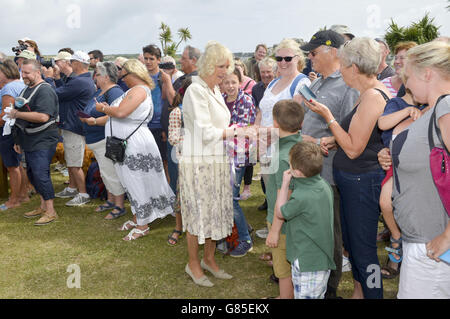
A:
107,170
421,277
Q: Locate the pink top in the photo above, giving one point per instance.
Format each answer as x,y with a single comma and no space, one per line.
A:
388,83
247,84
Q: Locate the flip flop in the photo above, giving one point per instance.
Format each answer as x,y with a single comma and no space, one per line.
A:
121,212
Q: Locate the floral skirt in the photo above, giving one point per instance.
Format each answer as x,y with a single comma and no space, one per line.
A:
143,178
206,199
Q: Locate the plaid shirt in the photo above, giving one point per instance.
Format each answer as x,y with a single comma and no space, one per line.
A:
242,114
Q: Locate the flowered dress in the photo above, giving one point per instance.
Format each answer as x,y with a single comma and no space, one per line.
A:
142,172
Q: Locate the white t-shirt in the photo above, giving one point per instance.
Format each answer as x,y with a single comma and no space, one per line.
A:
269,99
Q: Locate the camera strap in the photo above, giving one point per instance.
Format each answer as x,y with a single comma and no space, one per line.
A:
28,99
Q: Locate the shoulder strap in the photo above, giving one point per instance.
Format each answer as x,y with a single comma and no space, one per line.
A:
273,82
295,82
386,98
432,124
34,90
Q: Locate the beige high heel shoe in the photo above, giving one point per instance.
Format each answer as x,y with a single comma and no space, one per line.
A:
221,274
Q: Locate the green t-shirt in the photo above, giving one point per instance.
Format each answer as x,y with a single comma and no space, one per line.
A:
279,163
309,224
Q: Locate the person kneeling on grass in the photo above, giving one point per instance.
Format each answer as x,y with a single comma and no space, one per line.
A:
309,221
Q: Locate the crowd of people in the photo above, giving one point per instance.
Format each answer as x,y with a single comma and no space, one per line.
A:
338,134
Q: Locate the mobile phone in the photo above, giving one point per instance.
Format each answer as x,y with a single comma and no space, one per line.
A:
445,256
83,115
307,93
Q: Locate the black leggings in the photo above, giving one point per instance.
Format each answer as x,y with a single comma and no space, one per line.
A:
248,175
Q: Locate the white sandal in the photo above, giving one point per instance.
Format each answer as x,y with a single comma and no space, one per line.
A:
136,231
128,223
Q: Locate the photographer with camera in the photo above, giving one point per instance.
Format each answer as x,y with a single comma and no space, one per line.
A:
36,133
73,96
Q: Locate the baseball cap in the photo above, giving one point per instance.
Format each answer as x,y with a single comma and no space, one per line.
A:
63,56
326,37
380,40
80,56
27,55
23,40
341,29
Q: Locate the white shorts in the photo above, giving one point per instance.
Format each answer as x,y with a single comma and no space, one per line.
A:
421,277
107,170
74,145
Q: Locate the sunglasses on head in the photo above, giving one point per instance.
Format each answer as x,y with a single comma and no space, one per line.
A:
285,58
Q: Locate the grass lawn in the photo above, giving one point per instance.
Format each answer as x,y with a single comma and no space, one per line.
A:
34,260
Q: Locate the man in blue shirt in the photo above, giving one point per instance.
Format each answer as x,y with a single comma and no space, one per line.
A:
163,90
73,96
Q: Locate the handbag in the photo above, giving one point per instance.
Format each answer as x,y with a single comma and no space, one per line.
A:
115,147
439,161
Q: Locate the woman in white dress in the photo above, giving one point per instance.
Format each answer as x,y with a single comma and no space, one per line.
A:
204,171
141,173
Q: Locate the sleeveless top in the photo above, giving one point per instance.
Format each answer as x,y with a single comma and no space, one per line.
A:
368,160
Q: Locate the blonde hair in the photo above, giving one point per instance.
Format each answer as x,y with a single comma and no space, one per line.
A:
120,60
294,46
434,54
215,54
405,45
135,67
238,62
364,52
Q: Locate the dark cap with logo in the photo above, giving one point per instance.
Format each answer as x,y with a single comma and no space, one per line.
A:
326,37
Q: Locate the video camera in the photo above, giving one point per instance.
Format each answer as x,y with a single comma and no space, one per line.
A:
167,66
48,63
19,48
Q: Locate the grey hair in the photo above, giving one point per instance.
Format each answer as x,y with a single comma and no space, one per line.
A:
2,56
193,53
267,61
109,69
364,52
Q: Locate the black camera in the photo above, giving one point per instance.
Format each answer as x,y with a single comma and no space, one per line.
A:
48,63
167,66
19,48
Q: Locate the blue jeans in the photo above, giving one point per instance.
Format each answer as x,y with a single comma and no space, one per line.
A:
239,217
359,208
38,171
172,167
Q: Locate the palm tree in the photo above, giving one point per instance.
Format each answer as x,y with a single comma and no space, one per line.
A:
168,46
184,34
165,36
420,32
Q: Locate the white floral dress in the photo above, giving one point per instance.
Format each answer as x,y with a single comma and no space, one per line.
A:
142,172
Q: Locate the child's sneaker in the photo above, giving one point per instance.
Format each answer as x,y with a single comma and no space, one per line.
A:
242,249
346,266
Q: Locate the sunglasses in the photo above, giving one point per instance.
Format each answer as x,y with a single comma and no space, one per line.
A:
285,58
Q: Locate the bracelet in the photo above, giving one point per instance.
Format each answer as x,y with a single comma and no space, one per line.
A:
95,121
103,109
329,123
318,141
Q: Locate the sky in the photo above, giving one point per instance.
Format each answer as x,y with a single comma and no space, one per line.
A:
117,27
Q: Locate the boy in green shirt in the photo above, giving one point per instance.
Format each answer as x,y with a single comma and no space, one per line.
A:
308,212
287,118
